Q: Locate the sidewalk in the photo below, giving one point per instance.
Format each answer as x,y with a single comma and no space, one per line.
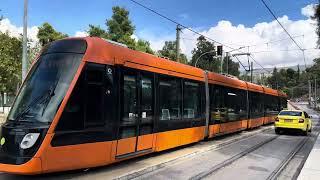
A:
311,168
2,118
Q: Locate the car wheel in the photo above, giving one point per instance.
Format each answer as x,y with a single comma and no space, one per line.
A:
277,131
305,133
310,129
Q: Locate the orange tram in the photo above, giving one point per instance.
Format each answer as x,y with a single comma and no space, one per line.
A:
89,102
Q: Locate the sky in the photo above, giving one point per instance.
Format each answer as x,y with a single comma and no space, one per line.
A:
234,23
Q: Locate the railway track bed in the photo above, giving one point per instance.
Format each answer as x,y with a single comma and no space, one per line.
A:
263,156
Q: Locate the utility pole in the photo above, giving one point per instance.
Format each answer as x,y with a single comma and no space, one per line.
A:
309,82
227,59
24,43
221,64
251,71
315,92
178,42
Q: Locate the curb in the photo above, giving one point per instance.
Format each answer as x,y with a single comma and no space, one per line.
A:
294,106
137,173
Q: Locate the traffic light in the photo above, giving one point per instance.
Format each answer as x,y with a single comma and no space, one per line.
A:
219,50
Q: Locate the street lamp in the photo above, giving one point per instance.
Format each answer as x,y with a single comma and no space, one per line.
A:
227,55
195,65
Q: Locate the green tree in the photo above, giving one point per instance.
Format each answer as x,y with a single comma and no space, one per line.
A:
273,80
205,56
143,46
120,27
1,16
169,51
33,51
10,66
47,34
233,67
317,18
205,53
314,70
97,31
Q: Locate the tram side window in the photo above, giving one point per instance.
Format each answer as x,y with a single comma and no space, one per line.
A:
284,103
146,99
72,117
227,104
130,113
191,100
170,98
85,107
271,105
217,104
94,95
236,104
256,105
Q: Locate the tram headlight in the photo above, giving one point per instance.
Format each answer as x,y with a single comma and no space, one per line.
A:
29,140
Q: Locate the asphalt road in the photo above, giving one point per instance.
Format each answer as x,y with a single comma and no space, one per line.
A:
253,157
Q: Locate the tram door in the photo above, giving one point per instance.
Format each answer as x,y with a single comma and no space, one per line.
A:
137,113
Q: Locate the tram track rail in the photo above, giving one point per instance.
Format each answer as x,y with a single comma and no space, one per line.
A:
275,174
137,174
232,159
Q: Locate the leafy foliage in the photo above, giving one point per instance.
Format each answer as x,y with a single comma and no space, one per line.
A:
294,83
205,54
233,67
317,18
10,66
47,34
97,31
169,51
143,46
120,28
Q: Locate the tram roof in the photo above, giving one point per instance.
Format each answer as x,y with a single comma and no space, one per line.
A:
106,52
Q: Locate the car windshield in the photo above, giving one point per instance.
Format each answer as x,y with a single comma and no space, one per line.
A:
45,87
290,113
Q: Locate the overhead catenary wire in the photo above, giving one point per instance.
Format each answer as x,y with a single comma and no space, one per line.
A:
241,63
259,64
183,26
274,16
254,45
283,50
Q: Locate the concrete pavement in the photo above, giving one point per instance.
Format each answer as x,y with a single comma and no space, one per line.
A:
2,118
311,168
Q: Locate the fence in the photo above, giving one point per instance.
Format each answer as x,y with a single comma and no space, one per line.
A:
6,101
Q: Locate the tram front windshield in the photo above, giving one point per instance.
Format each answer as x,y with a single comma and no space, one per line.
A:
45,87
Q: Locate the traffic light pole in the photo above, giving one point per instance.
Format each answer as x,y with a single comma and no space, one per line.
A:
178,43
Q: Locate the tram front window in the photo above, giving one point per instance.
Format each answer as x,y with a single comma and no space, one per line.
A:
45,87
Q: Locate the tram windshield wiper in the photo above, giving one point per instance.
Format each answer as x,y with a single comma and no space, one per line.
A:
45,98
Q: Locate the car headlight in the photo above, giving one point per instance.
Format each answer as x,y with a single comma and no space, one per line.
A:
29,140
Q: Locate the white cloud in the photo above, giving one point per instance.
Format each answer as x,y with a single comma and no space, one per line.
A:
308,10
261,33
7,27
81,34
135,37
15,31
